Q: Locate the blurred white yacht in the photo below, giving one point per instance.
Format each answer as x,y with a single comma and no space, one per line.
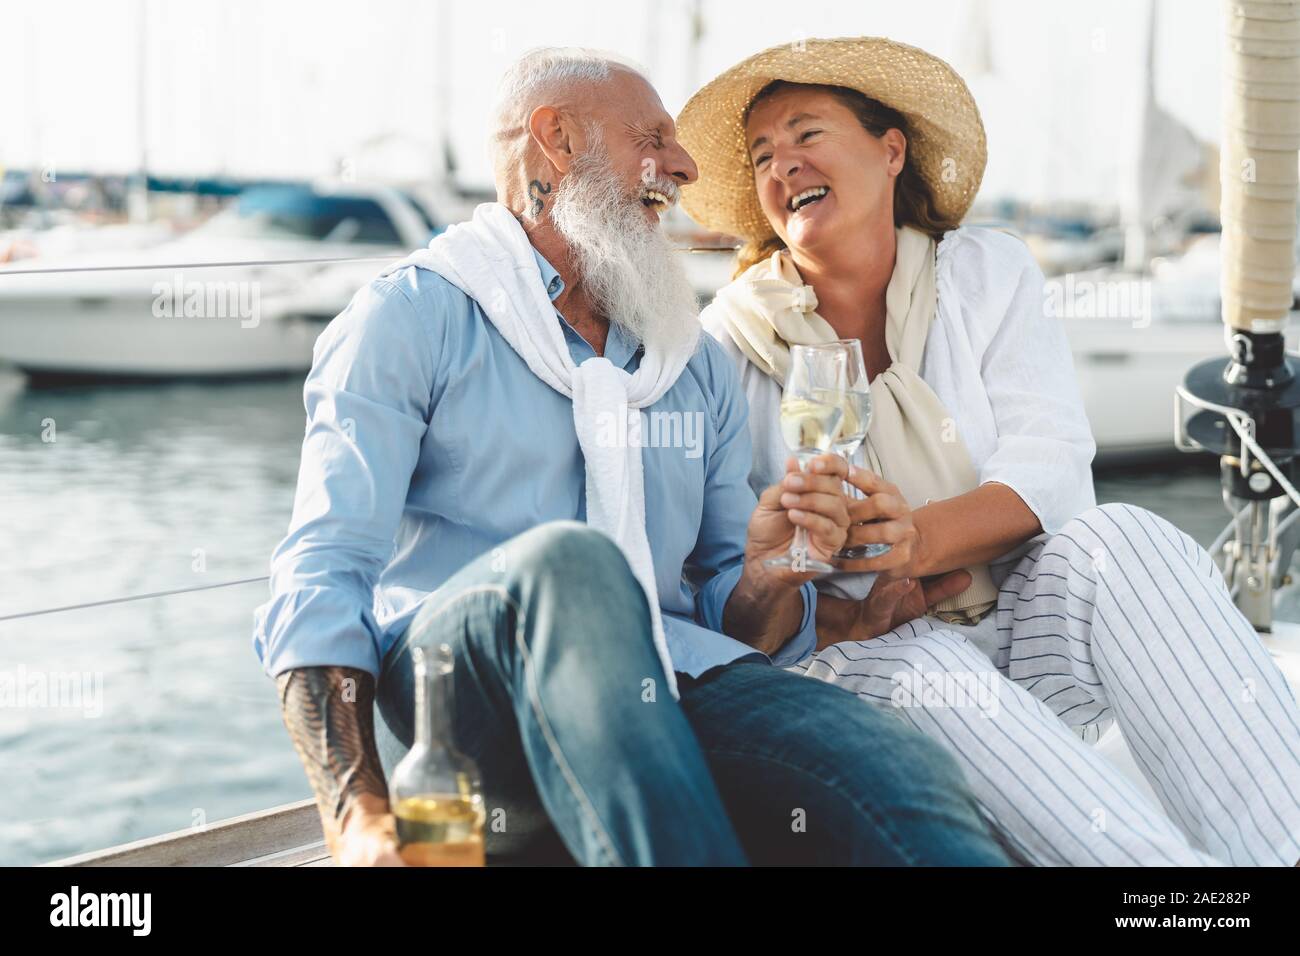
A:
168,316
1134,335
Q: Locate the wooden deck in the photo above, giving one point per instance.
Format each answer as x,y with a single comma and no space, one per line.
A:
288,835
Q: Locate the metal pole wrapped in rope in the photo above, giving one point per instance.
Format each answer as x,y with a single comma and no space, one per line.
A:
1258,171
1249,404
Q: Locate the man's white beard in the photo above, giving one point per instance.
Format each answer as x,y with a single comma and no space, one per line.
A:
627,265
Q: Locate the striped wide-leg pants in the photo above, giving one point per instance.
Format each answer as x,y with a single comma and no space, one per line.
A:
1119,616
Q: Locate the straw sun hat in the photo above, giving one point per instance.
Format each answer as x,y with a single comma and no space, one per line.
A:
946,143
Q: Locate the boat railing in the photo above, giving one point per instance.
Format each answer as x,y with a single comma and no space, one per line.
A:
325,260
129,598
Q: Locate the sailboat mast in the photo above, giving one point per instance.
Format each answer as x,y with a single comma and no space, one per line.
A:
1258,169
138,197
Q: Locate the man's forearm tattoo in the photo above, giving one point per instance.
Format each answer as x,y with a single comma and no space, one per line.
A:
535,192
329,712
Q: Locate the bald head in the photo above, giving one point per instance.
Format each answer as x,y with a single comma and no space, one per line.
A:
556,104
565,80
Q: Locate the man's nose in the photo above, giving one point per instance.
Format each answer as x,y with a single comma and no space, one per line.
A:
681,166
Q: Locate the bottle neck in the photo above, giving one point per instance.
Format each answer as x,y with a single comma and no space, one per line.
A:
432,703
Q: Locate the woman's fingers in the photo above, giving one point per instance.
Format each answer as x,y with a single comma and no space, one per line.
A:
880,505
898,557
898,535
882,532
868,482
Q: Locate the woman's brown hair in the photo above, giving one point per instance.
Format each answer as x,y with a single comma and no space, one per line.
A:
913,199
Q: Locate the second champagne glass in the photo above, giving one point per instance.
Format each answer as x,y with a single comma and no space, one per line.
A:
856,402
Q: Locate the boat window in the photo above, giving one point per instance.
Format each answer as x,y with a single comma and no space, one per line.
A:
422,212
304,214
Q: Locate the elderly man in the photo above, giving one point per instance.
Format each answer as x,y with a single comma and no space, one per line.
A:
476,474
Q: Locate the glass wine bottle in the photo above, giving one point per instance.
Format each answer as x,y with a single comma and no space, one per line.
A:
435,791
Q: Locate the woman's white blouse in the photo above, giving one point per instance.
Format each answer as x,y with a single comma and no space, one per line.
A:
1002,367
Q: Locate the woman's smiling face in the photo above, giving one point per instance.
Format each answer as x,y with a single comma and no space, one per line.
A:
821,177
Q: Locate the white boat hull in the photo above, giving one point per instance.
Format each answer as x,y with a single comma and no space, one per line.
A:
122,338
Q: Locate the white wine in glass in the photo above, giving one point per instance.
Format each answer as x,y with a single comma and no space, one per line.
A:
811,419
856,400
811,426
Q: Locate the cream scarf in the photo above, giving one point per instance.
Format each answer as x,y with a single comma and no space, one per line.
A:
912,440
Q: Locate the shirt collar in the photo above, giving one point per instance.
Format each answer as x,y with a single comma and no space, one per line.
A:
620,345
550,278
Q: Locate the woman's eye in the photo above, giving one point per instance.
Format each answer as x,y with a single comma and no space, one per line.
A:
761,160
807,133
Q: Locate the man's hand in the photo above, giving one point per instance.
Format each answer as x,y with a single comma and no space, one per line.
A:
368,836
765,607
813,500
893,602
329,713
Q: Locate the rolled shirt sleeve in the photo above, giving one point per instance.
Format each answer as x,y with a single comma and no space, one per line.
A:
1044,446
367,399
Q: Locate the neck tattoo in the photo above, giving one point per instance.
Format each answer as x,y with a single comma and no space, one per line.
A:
535,192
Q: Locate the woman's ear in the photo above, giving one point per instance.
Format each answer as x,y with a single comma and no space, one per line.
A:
895,150
550,132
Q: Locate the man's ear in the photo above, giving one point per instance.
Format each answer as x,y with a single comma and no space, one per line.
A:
895,149
550,131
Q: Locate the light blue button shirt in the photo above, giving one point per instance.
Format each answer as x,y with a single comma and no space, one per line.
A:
430,442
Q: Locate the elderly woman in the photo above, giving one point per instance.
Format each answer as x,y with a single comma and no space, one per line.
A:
1013,619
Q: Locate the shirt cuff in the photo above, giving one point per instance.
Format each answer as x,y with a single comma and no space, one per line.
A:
316,627
712,602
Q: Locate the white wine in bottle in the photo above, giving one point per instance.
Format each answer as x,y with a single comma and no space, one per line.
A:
435,792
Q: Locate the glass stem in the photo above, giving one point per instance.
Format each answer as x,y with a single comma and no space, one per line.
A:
850,488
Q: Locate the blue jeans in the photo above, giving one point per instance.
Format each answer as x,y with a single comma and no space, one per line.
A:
553,650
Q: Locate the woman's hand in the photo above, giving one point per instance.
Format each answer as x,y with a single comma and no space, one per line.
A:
883,517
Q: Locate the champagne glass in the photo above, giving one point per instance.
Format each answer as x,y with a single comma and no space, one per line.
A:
811,416
856,402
